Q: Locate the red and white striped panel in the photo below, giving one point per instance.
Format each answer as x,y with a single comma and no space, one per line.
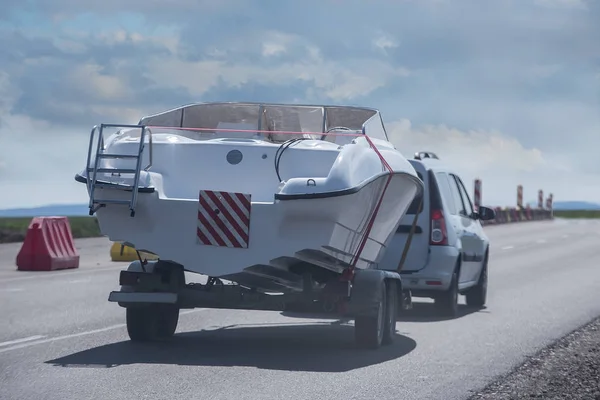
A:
224,219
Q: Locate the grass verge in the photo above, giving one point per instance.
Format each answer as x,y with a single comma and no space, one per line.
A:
587,214
14,229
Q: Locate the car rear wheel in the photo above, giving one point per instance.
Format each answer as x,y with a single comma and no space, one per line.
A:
476,296
447,302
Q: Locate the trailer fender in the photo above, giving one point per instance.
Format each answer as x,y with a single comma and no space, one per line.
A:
367,289
163,267
136,266
162,278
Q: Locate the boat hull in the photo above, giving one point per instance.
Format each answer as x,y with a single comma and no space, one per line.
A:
283,235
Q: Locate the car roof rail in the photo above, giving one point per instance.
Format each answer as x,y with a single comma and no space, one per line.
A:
419,155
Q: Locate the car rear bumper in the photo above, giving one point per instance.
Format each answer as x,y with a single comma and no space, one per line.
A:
437,273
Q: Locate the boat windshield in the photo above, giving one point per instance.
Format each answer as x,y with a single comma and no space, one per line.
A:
242,120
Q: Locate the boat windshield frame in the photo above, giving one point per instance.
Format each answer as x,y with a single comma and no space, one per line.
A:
262,120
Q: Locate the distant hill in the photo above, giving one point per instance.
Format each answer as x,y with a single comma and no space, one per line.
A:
69,210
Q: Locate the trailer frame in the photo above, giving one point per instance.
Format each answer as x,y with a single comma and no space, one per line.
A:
153,293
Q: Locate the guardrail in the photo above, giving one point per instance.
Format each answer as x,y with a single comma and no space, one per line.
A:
519,213
507,215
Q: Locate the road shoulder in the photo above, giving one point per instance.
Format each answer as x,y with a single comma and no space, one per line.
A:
567,369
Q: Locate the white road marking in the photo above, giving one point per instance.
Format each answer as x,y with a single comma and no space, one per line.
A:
541,241
58,274
12,290
508,247
16,341
80,281
34,339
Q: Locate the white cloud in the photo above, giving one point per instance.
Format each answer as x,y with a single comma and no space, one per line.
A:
478,150
385,42
40,163
93,82
338,81
276,43
576,4
500,161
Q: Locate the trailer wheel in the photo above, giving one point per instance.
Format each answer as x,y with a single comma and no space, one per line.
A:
369,330
152,322
391,312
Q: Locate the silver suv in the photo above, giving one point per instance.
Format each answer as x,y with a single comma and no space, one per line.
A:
449,250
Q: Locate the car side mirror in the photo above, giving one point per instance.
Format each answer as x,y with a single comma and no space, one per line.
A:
485,213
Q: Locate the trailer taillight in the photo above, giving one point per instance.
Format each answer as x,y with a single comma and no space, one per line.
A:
439,236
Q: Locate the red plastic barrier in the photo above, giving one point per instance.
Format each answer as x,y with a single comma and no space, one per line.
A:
515,215
48,246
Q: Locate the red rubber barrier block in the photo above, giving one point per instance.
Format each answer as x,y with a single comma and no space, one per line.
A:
48,246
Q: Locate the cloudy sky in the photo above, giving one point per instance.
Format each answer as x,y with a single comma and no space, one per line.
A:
504,90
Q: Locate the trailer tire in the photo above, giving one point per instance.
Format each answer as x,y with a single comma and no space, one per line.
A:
152,322
369,329
391,312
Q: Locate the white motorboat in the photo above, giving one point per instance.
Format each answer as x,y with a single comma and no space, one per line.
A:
257,194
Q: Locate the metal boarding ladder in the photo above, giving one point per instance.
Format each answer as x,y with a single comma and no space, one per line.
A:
92,182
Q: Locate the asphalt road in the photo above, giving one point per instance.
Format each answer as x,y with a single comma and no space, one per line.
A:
61,339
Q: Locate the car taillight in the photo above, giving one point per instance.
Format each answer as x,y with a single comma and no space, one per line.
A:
439,235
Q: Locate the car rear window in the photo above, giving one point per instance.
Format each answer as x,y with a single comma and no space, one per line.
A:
414,206
445,184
